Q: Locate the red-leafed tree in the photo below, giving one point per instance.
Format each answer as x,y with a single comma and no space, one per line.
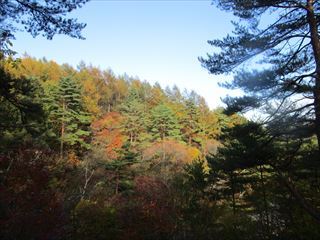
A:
150,212
108,134
30,206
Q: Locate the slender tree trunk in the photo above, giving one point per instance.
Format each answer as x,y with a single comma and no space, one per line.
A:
315,42
62,129
86,181
61,141
163,151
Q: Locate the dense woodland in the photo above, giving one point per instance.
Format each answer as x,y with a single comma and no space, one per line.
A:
82,142
86,154
89,155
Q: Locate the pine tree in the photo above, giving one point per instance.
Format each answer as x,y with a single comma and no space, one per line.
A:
191,121
164,123
134,111
285,68
287,52
68,115
120,168
38,17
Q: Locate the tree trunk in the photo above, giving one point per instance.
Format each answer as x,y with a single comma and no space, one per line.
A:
87,180
163,151
311,210
313,26
61,140
62,129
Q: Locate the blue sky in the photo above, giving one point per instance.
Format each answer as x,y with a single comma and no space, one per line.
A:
158,41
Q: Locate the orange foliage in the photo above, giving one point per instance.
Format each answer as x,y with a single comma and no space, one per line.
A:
174,152
107,133
49,72
91,79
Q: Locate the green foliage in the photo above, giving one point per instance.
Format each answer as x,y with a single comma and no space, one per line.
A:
136,120
254,170
121,169
260,162
285,52
68,116
191,121
21,111
164,124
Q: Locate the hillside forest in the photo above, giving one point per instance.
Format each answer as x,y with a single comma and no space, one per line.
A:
86,154
90,155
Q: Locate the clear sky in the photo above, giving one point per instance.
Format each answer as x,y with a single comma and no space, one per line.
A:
154,40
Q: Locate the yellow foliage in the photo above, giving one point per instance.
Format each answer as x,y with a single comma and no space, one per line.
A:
193,152
172,151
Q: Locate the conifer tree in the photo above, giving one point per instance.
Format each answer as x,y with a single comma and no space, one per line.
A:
120,168
164,123
191,121
286,52
38,17
134,111
68,115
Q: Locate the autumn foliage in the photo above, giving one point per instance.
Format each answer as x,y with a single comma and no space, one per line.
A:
108,134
